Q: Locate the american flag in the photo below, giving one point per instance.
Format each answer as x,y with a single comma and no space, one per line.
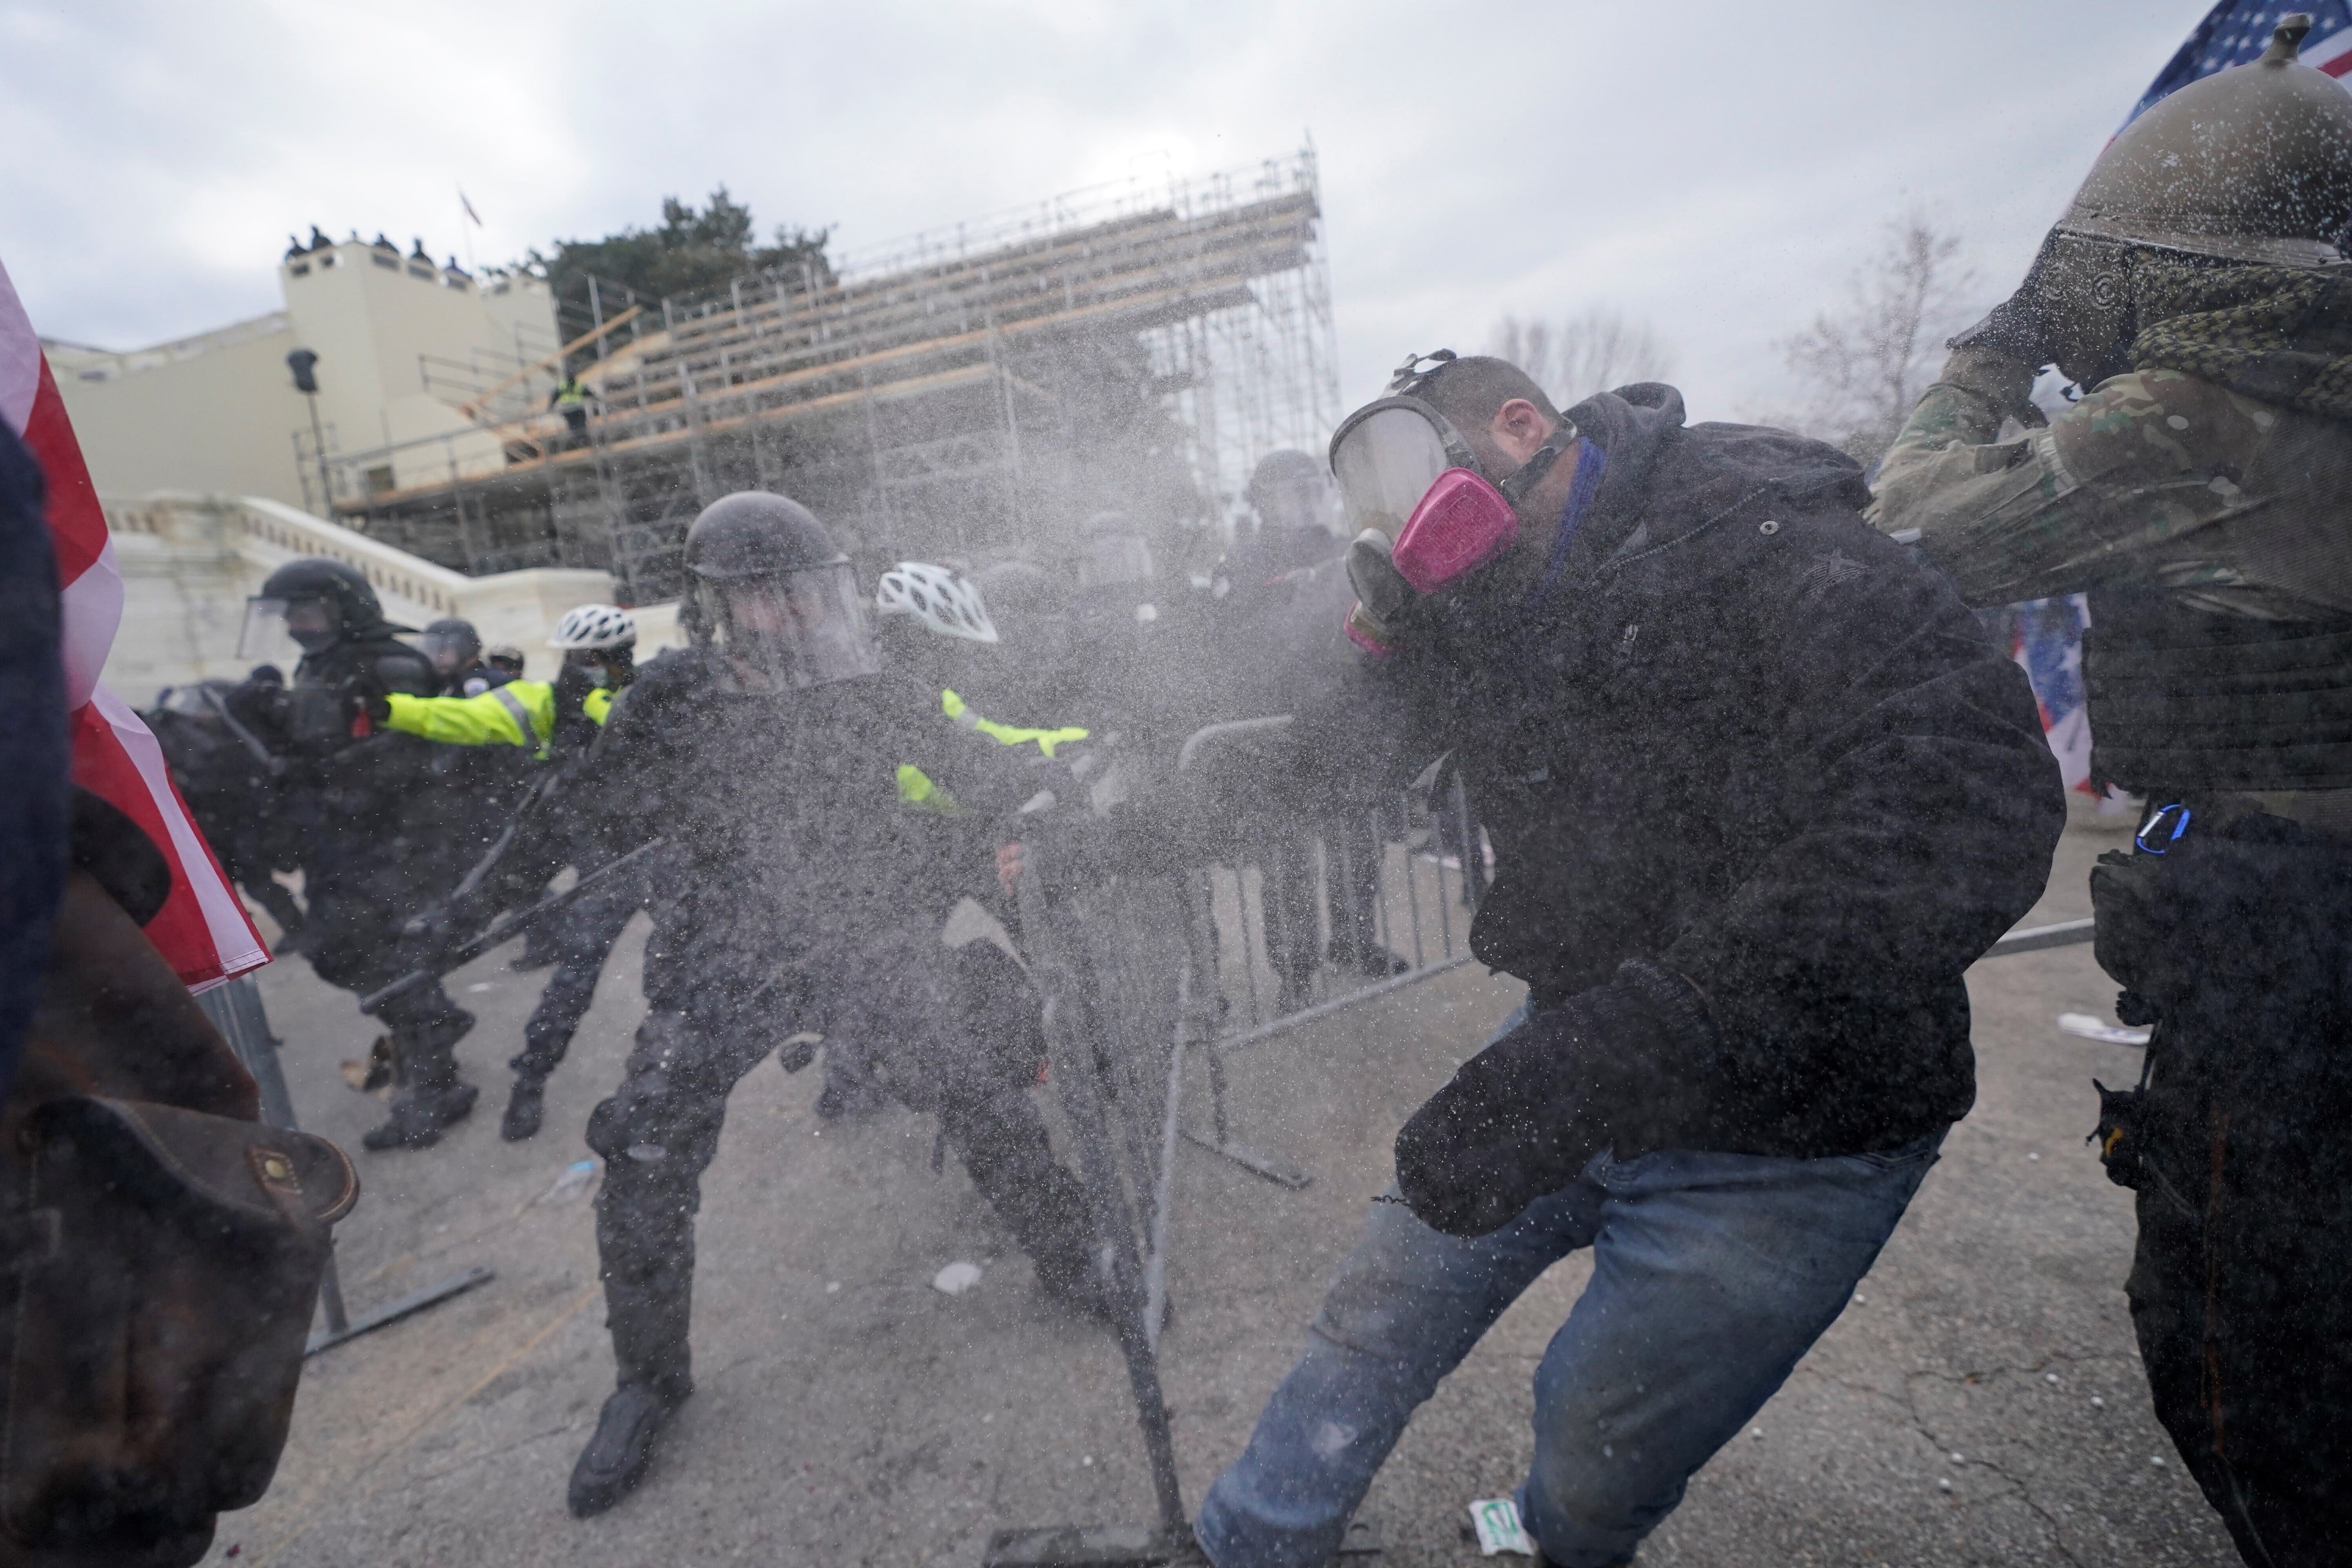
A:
2236,31
2046,636
202,928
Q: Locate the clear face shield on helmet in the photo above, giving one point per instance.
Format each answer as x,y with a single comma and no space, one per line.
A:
1113,560
450,651
793,631
281,631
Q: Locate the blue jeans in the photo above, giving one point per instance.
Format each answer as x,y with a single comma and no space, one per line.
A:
1712,1274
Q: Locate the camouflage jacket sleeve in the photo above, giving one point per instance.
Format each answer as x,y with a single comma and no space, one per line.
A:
2155,479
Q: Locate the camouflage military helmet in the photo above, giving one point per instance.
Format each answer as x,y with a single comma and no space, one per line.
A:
2253,163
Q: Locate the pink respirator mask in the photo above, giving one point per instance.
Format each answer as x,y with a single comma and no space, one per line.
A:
1406,474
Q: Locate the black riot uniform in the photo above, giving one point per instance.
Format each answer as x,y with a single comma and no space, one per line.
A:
822,821
232,786
374,836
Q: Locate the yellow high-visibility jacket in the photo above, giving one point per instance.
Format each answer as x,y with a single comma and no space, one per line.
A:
1006,734
520,713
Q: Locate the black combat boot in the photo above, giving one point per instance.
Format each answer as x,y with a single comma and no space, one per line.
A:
420,1114
647,1312
618,1456
431,1099
524,1106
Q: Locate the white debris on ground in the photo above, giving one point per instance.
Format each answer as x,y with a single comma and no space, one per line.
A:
1497,1520
956,1278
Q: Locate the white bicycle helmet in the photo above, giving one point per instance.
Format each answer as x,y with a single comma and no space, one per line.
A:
595,626
943,601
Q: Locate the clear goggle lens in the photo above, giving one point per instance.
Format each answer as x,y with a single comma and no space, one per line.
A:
1385,464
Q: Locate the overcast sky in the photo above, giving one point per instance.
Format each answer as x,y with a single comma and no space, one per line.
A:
1719,174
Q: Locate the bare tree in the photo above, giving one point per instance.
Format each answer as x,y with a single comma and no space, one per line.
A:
1864,361
1592,352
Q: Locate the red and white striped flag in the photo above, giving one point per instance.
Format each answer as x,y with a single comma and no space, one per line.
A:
202,928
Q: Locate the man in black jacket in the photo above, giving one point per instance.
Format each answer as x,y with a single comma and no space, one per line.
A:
1761,790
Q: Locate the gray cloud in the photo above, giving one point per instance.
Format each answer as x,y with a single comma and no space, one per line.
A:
1719,177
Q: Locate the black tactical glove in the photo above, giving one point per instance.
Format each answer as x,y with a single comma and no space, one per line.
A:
364,698
572,685
1525,1116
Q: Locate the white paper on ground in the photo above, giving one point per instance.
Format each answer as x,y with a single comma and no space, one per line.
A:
956,1278
1496,1520
2092,1028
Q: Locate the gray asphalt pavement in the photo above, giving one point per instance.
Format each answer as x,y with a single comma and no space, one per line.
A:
1980,1403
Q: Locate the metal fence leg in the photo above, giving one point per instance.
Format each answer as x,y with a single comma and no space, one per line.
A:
1071,1031
236,1010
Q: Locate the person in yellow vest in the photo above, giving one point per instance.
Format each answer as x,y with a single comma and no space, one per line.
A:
930,623
570,399
551,719
923,612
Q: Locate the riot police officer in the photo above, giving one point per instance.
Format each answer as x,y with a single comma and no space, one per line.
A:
553,720
456,650
2199,492
373,848
822,821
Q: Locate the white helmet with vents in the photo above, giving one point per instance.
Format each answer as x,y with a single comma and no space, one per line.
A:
595,626
942,601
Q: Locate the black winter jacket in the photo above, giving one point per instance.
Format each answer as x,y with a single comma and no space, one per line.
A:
1745,739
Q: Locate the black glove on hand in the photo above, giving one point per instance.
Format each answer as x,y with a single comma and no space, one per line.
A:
432,934
572,685
1525,1116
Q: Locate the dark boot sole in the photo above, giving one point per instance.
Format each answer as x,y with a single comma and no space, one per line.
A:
516,1129
393,1135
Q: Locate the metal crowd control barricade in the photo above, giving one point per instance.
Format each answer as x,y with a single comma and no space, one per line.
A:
1308,913
1147,958
236,1010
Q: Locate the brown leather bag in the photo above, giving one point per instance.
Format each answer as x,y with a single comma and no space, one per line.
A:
160,1258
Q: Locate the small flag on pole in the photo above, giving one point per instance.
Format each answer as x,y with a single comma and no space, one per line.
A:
468,206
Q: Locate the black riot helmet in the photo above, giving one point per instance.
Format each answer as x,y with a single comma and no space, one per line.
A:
773,593
1290,488
314,604
451,644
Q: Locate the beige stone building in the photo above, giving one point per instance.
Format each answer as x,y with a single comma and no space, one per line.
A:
209,462
403,344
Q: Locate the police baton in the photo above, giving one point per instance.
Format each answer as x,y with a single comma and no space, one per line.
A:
503,929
